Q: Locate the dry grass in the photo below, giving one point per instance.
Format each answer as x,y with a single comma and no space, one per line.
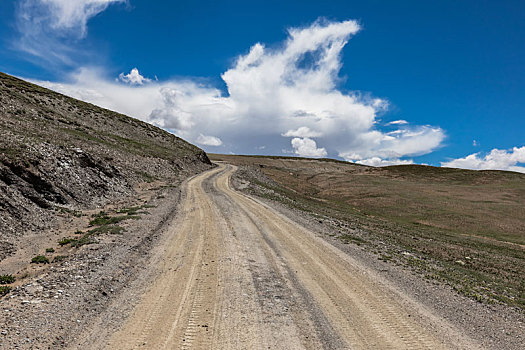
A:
464,227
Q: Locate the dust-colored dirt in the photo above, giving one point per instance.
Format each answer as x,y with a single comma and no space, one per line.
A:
233,273
463,228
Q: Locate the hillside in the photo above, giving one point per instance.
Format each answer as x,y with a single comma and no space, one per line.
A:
58,154
462,227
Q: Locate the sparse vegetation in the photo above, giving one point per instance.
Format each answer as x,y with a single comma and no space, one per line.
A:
59,258
86,239
131,211
7,279
347,238
65,241
4,290
50,250
47,137
107,229
147,177
40,259
74,242
460,227
103,218
71,212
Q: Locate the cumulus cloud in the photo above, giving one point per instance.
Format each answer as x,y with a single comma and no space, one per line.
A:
410,141
287,97
497,159
378,162
208,140
133,77
303,131
306,147
48,27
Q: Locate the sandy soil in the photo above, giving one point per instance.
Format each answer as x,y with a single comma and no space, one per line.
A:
233,273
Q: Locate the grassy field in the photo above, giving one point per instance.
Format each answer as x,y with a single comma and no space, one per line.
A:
465,228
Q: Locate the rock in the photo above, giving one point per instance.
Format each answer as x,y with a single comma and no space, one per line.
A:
34,288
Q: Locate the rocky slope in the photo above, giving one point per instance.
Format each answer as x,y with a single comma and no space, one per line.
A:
60,155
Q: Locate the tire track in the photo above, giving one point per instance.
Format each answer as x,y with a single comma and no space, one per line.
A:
236,274
365,314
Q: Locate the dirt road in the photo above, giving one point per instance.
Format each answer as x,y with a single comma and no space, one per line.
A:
235,274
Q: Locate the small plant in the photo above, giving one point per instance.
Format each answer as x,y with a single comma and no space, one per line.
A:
7,279
59,258
50,250
69,211
346,238
4,290
111,229
129,211
135,210
86,239
101,214
102,218
40,259
66,241
112,220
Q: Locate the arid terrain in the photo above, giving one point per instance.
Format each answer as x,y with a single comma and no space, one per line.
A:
58,155
83,191
233,272
117,235
461,227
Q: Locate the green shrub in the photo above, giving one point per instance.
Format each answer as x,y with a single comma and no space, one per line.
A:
50,250
66,241
40,259
59,258
129,211
101,214
102,218
7,279
111,229
4,290
86,239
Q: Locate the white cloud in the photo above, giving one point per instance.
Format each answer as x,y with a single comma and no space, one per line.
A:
474,143
303,131
291,90
497,159
376,161
133,77
48,28
72,15
209,140
306,147
88,85
397,122
412,141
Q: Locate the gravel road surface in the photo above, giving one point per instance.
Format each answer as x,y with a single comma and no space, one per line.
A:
233,273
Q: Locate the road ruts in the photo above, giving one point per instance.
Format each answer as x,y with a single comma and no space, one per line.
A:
236,274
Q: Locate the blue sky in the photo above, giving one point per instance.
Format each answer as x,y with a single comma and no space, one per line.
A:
454,71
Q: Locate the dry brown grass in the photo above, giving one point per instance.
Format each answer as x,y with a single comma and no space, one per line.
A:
469,225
